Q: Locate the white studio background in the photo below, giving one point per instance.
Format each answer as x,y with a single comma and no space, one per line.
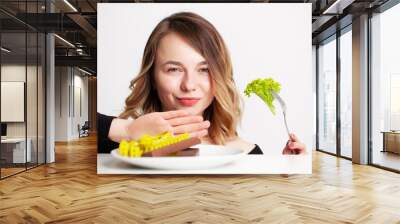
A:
264,40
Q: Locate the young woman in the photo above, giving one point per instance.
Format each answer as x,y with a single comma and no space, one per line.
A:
185,84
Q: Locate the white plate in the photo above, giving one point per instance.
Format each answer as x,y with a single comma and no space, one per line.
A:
209,156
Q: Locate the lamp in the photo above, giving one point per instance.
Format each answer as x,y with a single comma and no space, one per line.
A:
64,40
5,50
337,7
70,5
84,71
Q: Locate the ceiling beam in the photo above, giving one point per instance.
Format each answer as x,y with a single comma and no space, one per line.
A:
85,25
337,6
83,61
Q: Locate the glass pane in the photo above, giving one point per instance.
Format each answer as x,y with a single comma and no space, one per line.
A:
13,87
31,98
41,98
346,93
386,89
327,96
23,88
32,86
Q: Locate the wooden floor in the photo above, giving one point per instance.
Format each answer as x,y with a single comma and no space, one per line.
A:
10,171
70,191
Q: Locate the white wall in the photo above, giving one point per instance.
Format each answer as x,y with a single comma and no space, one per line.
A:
258,46
62,81
34,124
80,83
15,72
68,83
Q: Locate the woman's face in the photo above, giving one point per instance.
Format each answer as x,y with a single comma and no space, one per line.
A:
182,76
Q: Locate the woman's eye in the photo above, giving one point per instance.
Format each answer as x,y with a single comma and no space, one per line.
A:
172,69
204,70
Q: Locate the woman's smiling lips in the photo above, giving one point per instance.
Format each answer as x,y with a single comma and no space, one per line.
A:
188,101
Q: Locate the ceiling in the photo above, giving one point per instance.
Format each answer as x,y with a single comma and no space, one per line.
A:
76,22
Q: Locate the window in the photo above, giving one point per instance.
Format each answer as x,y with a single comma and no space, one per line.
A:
346,93
385,88
22,65
327,96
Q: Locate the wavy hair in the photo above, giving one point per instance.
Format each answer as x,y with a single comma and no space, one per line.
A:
224,113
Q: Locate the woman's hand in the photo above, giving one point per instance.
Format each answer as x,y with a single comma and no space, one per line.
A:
177,122
294,146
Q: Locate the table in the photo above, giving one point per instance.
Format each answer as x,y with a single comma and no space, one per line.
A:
391,141
18,151
249,164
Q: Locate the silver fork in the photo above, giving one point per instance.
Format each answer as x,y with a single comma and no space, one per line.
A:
283,106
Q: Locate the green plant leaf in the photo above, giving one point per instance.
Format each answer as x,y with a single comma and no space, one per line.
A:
263,88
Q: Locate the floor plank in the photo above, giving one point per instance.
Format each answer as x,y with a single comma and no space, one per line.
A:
70,191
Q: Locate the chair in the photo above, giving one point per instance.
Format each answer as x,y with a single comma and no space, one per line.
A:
84,130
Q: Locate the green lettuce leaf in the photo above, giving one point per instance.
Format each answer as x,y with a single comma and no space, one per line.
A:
263,88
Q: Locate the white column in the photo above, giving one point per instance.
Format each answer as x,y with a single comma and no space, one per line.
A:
50,100
314,86
360,90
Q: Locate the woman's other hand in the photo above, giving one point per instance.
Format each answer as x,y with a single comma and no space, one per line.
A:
294,146
176,122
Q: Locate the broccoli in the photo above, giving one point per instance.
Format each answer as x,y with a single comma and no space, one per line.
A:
263,88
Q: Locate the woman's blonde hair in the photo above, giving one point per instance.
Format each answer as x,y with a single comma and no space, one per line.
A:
224,112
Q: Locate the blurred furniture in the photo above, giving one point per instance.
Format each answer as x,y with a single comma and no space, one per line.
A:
3,130
84,130
391,141
13,150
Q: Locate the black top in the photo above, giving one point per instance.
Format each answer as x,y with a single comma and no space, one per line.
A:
105,145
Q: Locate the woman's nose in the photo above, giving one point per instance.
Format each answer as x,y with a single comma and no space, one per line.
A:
189,82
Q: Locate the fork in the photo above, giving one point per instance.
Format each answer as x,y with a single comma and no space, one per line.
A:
283,106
